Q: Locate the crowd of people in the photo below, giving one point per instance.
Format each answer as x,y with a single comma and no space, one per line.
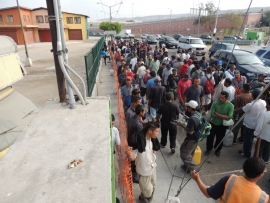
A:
158,89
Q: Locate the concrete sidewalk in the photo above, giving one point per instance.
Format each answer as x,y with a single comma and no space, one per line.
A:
166,161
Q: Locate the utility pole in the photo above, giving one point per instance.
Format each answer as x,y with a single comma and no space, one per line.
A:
59,74
28,60
199,23
110,7
110,14
170,20
215,29
132,12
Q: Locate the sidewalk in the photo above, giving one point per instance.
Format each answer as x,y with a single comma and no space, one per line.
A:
165,160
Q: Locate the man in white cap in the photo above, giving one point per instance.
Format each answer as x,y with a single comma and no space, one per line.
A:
190,143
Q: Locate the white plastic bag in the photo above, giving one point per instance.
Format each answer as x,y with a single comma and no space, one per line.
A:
228,123
228,140
172,200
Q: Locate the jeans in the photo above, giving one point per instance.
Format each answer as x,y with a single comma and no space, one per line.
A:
248,141
187,150
219,132
264,150
153,112
165,127
236,131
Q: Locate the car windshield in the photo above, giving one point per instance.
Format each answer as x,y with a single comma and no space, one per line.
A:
230,47
196,41
248,59
151,37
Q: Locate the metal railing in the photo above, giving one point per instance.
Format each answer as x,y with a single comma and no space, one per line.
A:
238,42
92,61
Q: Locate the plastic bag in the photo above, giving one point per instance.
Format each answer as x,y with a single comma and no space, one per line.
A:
228,140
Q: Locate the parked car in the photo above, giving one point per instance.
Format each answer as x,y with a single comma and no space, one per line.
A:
206,37
100,34
246,62
143,36
168,41
158,36
264,55
196,44
238,37
92,33
218,46
229,38
151,39
177,36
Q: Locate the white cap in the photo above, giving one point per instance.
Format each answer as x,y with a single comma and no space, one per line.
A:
193,104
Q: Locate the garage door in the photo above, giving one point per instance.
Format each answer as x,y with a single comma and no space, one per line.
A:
75,34
29,35
45,35
10,33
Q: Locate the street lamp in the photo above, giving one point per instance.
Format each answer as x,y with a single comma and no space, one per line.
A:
110,7
170,20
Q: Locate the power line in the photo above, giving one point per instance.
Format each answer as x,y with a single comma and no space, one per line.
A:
118,10
103,9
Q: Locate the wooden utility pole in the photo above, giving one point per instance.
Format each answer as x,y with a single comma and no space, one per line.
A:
59,74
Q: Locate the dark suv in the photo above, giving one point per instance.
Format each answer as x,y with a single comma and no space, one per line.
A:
218,46
206,37
246,62
177,36
168,41
151,39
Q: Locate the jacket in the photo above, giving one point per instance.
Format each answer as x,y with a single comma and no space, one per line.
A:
141,141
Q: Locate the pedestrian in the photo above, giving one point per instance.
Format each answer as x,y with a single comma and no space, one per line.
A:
126,89
239,102
129,74
253,111
104,54
203,63
133,62
121,67
145,159
258,83
141,68
194,92
219,72
182,85
208,84
122,76
154,65
230,72
160,70
191,67
262,134
168,112
172,82
143,78
178,64
229,88
173,60
156,98
148,60
151,82
166,72
184,67
198,73
135,101
190,143
134,93
238,81
221,109
233,188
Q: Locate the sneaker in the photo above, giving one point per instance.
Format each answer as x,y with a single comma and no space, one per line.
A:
172,150
217,153
143,199
184,168
162,146
207,152
241,153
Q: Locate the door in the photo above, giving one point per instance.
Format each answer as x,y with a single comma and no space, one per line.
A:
29,35
45,35
75,34
10,33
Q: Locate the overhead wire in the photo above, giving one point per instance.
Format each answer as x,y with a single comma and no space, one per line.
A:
118,9
103,9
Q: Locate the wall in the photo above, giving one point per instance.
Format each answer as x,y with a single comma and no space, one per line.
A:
81,26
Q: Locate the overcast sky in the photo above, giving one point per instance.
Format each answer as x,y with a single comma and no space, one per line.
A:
140,7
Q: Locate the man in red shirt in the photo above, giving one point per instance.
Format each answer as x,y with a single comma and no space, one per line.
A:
184,67
183,84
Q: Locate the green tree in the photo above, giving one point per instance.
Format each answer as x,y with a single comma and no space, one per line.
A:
235,19
210,19
111,26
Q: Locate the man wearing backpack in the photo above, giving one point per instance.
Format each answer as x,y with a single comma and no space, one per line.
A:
208,84
190,143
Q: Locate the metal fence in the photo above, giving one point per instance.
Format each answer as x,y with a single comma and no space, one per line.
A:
92,61
238,42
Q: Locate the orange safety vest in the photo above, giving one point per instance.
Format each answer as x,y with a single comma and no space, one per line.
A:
239,190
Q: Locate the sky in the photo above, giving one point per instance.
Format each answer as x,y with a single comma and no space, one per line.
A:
137,7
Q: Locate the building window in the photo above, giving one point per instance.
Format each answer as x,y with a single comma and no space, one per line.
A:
40,19
69,20
28,19
1,18
24,18
10,18
77,20
46,19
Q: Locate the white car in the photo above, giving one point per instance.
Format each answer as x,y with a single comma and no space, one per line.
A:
158,36
196,44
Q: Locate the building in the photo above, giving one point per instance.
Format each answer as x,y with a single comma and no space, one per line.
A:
36,25
10,24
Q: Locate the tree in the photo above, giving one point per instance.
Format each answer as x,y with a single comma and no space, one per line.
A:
235,19
111,26
267,17
210,19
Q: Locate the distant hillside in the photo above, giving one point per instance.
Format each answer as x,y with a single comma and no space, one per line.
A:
186,15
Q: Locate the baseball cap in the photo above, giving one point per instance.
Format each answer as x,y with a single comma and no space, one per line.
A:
135,91
219,63
174,70
129,78
193,104
262,74
186,76
189,61
130,74
255,93
236,72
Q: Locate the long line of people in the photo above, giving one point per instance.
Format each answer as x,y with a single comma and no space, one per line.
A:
182,84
